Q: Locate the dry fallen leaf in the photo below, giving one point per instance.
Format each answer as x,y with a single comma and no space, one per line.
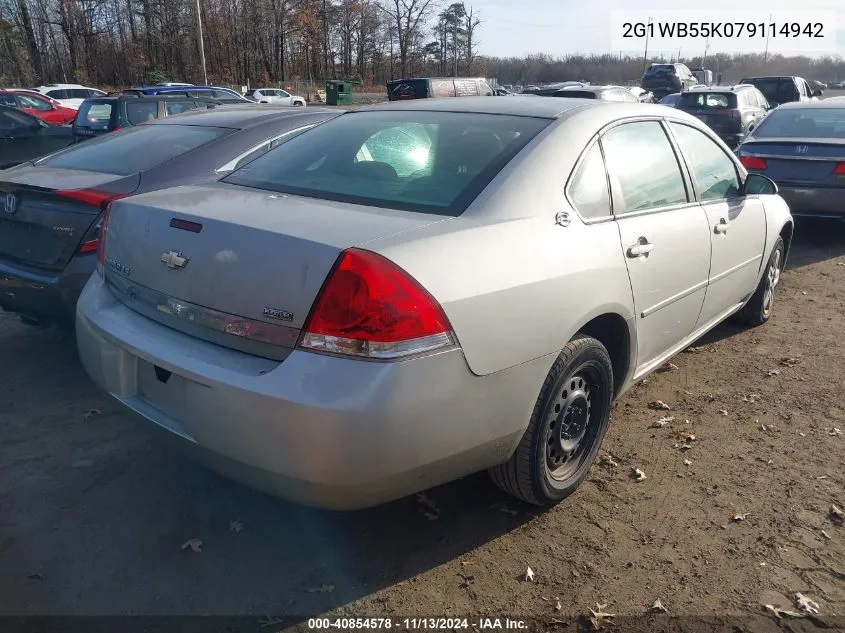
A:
529,575
637,474
466,562
752,397
834,431
805,604
826,535
558,605
599,617
802,434
666,419
607,460
789,362
740,517
659,405
236,526
700,348
772,372
91,413
657,606
837,517
321,589
723,411
778,612
194,544
668,367
687,462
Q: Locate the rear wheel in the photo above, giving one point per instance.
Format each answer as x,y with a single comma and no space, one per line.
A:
759,307
566,427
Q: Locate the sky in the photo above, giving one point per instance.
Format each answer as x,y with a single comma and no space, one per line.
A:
559,27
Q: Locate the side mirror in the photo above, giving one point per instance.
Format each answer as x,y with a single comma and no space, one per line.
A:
758,184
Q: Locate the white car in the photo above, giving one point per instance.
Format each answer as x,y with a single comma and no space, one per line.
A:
70,95
274,95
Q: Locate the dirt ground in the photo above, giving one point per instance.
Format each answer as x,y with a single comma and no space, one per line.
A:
94,511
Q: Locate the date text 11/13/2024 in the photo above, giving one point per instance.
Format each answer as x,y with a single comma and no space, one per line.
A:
417,624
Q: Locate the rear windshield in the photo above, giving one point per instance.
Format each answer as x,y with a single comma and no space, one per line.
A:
776,90
435,162
576,94
134,149
409,89
707,100
95,115
803,123
660,69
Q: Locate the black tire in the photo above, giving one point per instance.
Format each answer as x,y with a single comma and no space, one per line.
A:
758,310
577,389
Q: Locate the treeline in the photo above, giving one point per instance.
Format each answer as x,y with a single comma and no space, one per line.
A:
113,43
123,42
599,69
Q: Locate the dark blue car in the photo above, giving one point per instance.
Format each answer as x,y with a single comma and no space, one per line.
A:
801,146
223,95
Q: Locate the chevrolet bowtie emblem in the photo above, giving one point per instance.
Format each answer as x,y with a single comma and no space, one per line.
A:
174,259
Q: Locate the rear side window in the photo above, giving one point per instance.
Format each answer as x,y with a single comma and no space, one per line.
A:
713,171
412,89
77,93
178,107
134,149
57,94
138,112
223,94
588,189
644,171
435,162
707,100
94,115
777,90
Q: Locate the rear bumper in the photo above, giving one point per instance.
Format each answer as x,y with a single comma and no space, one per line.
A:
814,201
43,296
320,430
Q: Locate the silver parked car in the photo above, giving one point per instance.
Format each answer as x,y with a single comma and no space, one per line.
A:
53,206
416,291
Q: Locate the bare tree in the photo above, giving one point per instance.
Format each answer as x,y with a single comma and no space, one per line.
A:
407,17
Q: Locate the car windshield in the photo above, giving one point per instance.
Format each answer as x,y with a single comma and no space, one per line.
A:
435,162
134,149
94,114
775,90
707,100
803,123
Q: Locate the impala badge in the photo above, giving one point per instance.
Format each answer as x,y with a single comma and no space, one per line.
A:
174,259
11,203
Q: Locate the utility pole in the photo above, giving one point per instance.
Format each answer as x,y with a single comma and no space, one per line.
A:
202,45
766,54
706,46
645,55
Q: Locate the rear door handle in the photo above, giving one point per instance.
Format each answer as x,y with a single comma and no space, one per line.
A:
722,227
641,248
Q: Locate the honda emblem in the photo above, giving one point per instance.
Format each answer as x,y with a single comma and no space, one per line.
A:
11,203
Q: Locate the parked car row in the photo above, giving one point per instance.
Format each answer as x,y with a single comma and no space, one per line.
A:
259,280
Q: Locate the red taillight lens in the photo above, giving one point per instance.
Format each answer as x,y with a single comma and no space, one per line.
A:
839,170
101,242
753,162
370,307
95,198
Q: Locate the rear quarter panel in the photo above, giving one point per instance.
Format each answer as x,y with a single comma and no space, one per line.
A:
515,285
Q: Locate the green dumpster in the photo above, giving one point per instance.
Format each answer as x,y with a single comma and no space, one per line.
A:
338,92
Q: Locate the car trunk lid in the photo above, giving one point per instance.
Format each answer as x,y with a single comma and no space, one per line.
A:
798,160
48,212
238,267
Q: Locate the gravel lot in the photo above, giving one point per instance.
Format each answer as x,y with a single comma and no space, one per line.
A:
94,510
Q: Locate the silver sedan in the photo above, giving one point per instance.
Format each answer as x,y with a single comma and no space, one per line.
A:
417,291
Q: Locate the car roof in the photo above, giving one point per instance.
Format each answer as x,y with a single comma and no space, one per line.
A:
519,105
234,116
811,105
768,77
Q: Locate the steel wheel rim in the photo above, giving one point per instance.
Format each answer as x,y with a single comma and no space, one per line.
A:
571,423
772,280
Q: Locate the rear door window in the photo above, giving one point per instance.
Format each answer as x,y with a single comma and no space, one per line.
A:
77,93
95,115
643,168
57,94
135,149
178,107
138,112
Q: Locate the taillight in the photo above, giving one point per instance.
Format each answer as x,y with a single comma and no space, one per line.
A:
94,198
101,242
839,170
369,307
753,162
